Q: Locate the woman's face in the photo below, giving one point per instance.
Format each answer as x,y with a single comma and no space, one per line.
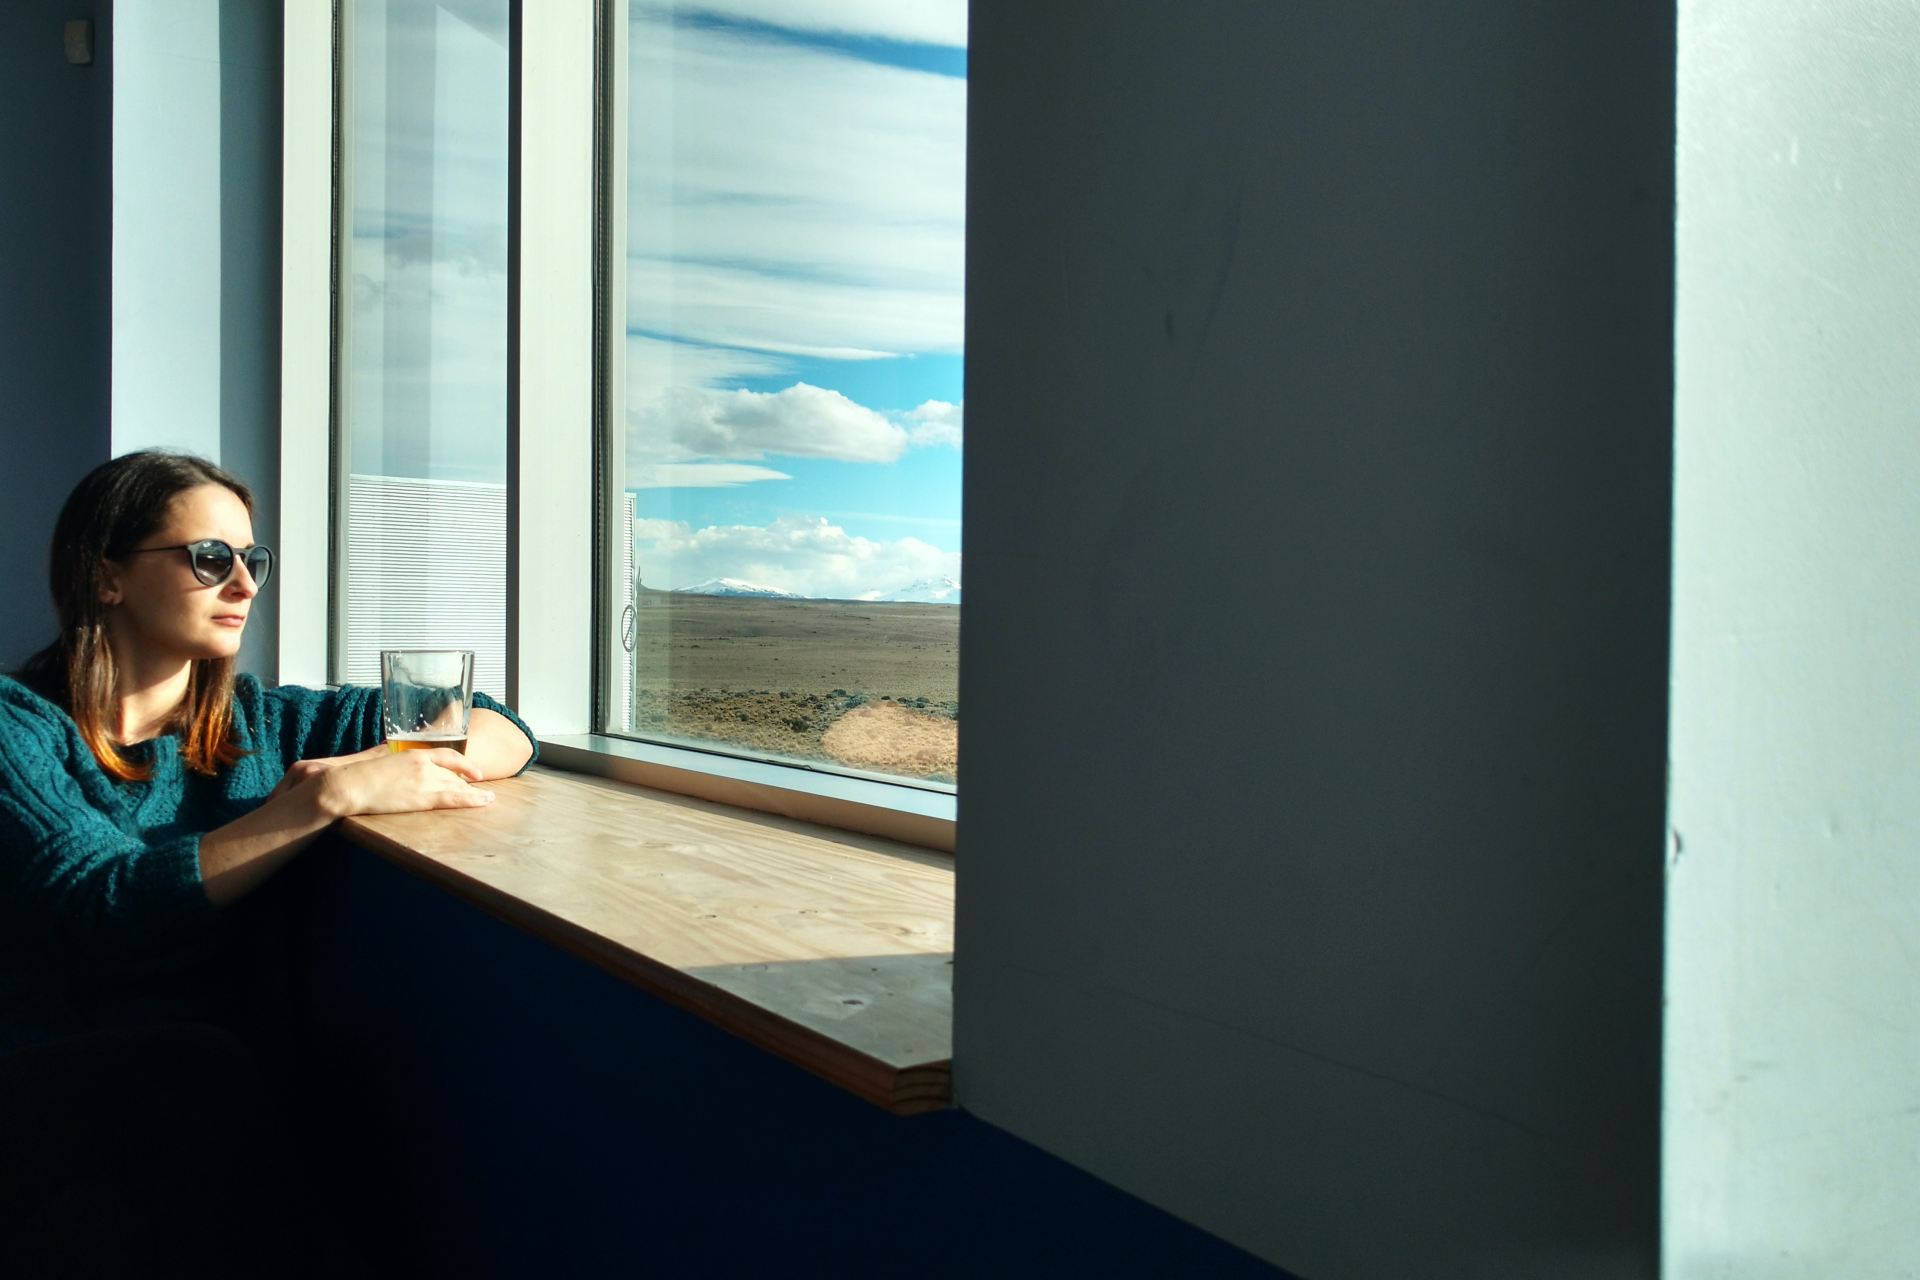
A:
153,599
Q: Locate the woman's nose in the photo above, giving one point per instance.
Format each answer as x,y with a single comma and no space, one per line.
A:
241,585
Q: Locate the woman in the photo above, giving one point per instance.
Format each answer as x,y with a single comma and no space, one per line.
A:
144,787
145,790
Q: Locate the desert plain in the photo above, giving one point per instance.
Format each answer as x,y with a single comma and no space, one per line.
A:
869,687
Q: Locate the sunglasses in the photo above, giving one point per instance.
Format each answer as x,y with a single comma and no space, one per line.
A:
212,560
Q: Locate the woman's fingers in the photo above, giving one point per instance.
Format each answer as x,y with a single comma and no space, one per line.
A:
448,786
455,762
449,792
296,773
411,781
300,770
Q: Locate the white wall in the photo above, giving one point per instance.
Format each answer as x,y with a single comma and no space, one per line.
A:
196,191
166,226
1792,1093
1315,655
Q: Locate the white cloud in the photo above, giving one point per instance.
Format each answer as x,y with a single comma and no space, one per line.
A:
646,530
686,424
934,423
942,22
698,475
704,437
803,554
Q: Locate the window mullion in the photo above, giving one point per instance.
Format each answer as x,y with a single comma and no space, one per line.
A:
306,366
613,679
550,426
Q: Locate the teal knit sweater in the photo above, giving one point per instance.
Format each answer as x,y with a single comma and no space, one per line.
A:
100,877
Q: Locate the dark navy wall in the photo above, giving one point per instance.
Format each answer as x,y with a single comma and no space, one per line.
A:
1319,440
55,292
507,1109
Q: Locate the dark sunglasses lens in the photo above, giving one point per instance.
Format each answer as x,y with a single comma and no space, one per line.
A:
212,562
259,565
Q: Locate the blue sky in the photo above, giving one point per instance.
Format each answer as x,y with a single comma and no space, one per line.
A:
795,236
920,493
794,289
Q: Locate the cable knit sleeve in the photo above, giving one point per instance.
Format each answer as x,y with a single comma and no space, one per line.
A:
314,723
69,873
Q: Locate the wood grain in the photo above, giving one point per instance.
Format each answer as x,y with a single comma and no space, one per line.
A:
833,950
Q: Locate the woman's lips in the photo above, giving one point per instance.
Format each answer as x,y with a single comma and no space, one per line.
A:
230,620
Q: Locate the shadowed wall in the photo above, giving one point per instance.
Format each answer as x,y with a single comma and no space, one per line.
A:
1319,391
56,155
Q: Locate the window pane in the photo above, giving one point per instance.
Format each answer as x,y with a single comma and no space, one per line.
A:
792,426
425,341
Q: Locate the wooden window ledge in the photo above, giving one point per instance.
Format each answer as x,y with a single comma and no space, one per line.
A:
834,951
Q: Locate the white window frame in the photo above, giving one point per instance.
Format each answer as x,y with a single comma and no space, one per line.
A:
555,411
306,341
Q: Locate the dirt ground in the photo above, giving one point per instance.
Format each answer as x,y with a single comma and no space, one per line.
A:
868,686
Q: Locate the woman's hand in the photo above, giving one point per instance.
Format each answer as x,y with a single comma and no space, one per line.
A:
382,781
300,770
237,857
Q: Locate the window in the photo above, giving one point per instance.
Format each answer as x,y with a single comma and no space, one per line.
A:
773,356
420,468
786,280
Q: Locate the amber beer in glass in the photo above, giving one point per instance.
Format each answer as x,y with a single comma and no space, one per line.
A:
426,697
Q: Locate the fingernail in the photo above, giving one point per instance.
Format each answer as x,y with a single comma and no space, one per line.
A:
488,795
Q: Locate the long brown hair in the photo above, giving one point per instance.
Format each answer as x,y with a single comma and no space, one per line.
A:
116,507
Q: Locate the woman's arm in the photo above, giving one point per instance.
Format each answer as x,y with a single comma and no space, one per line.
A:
496,744
75,876
335,724
236,858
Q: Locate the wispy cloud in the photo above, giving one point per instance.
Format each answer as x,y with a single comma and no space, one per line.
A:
698,475
427,258
790,200
764,310
655,364
426,392
940,22
887,517
785,203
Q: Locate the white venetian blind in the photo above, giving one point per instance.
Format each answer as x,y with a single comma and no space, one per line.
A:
426,557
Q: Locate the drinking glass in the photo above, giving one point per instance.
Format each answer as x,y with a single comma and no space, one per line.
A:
426,696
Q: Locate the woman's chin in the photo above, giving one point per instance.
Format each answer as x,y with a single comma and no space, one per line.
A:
225,643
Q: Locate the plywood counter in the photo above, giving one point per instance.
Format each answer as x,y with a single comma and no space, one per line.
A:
834,951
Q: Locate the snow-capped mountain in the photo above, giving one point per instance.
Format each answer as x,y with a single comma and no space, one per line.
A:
925,591
735,587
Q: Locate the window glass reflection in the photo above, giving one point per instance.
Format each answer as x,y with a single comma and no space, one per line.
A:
425,333
792,420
